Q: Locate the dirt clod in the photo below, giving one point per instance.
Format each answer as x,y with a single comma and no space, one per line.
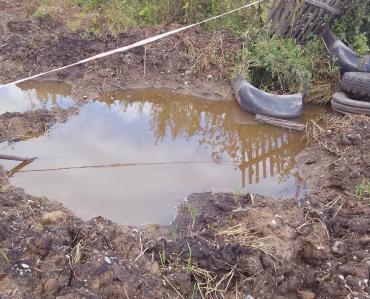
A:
55,217
339,248
306,295
51,287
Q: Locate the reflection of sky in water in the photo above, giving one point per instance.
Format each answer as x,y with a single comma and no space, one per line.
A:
16,99
107,134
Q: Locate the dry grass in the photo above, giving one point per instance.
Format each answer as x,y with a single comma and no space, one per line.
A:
206,57
244,236
332,122
210,285
318,128
5,257
207,284
75,257
320,94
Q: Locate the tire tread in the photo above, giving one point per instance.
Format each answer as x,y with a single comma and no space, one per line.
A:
356,83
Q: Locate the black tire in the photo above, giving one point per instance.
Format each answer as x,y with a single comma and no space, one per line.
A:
341,103
357,84
343,99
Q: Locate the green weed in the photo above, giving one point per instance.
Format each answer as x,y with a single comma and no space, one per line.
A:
174,233
42,9
189,265
281,65
195,292
238,194
360,43
277,64
163,257
353,27
31,42
362,189
193,211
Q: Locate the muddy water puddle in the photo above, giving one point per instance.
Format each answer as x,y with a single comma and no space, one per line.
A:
133,156
33,95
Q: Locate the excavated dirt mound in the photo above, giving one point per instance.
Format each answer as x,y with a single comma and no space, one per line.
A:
46,252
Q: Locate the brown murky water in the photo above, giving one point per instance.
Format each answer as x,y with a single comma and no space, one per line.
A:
134,156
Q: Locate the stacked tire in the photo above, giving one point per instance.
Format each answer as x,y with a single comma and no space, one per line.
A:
355,95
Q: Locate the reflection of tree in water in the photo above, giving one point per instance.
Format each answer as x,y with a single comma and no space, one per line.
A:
175,119
45,90
258,151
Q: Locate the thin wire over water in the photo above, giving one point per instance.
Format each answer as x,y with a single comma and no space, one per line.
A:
117,165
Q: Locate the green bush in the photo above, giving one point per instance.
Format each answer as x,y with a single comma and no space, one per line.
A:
275,64
282,65
360,43
354,27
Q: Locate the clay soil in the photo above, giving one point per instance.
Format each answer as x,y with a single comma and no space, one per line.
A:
219,245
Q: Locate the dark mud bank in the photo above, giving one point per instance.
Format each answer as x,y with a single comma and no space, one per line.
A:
191,62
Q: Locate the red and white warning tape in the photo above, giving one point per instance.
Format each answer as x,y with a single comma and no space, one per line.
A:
134,45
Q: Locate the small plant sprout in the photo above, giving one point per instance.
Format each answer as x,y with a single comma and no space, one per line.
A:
193,211
163,258
238,194
195,291
174,232
362,189
189,267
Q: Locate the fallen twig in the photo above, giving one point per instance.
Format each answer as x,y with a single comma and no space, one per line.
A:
176,290
16,158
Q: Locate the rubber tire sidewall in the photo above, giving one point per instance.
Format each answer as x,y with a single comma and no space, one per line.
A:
356,83
341,103
343,99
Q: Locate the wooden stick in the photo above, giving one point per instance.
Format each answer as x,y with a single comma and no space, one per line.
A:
324,6
17,168
280,122
16,158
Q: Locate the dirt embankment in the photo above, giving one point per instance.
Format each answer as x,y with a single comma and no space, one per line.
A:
192,62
